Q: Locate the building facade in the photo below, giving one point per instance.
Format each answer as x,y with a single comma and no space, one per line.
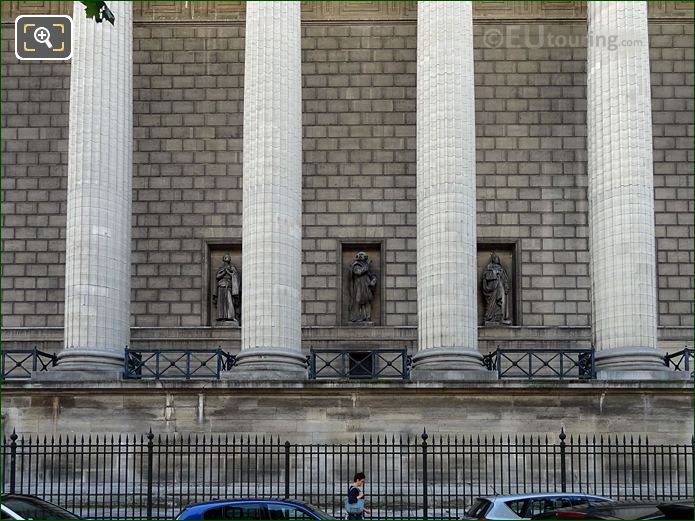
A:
555,134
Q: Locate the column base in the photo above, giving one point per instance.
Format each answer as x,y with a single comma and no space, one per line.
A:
83,365
450,364
634,363
268,363
58,375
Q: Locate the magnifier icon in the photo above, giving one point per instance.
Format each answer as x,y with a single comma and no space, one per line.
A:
43,35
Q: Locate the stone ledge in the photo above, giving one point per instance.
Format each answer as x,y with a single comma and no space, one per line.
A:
671,338
343,386
350,11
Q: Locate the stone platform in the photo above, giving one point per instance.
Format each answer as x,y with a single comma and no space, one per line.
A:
338,411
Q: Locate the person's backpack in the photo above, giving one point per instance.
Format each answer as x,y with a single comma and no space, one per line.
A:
353,508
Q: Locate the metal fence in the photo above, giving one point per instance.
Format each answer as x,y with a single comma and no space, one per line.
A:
408,477
182,364
558,364
680,361
354,363
18,364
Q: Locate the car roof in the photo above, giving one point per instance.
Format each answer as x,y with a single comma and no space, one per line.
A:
624,503
508,497
247,500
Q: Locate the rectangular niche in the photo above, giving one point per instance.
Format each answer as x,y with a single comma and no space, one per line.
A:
213,260
510,257
351,315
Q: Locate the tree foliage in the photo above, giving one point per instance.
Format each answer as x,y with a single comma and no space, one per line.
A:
98,10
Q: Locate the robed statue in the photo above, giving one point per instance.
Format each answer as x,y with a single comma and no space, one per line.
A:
361,288
228,295
495,284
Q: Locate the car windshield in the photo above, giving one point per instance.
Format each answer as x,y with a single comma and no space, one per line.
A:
35,508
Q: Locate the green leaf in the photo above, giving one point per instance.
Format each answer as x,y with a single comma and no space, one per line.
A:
98,10
93,8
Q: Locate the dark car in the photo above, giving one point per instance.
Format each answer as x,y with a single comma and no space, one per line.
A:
252,509
20,506
625,510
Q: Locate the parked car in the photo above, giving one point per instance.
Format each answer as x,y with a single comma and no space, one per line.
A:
525,506
252,509
625,510
20,506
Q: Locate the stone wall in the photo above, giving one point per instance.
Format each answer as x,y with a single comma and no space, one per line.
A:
359,167
336,412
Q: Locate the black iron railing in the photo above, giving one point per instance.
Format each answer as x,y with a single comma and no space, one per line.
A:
680,361
559,364
409,477
176,363
19,364
359,363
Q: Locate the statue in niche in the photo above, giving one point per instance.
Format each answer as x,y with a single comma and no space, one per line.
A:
361,288
227,298
495,285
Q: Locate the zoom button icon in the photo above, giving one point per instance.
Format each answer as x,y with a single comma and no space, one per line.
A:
43,37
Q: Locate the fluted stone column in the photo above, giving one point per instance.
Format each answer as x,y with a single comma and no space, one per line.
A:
446,207
272,198
100,159
621,193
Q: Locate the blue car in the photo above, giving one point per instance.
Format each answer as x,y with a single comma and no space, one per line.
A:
252,509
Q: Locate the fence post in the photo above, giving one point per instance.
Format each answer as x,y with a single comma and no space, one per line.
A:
150,457
287,470
563,465
13,460
425,498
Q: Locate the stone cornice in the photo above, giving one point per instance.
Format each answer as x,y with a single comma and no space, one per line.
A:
255,388
344,12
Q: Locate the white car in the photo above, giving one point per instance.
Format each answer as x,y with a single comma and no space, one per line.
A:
19,506
525,506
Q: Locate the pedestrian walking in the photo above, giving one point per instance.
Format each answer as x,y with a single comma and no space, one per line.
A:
354,501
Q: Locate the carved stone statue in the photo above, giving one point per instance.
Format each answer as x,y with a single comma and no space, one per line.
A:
228,295
495,285
361,288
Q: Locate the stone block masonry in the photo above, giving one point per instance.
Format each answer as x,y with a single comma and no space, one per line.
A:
358,168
